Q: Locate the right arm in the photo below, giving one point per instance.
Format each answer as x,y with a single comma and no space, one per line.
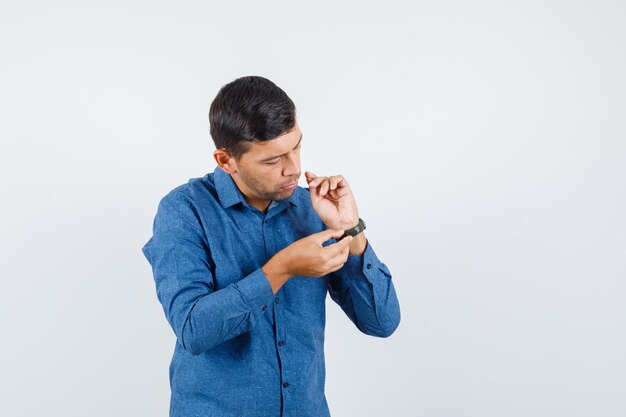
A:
201,316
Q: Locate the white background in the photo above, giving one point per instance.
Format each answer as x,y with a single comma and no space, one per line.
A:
484,141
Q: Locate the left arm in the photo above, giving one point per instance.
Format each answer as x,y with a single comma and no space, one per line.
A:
363,286
364,290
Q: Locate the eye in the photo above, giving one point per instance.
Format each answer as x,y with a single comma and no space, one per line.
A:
272,163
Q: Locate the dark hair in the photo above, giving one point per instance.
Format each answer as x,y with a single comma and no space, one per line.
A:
249,109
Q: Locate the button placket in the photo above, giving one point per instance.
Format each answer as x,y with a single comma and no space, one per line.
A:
280,335
264,227
278,320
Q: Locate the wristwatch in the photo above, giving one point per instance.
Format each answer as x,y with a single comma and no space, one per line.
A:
360,226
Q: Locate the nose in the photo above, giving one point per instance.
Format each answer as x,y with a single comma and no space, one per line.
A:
291,167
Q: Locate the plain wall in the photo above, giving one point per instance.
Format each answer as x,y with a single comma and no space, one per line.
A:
484,142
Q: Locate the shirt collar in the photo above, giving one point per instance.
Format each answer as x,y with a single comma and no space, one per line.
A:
229,194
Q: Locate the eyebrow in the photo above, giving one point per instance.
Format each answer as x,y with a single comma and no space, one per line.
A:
274,157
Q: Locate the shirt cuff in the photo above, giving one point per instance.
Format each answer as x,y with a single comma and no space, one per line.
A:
367,264
256,291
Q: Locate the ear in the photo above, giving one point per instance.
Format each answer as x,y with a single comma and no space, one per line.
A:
225,160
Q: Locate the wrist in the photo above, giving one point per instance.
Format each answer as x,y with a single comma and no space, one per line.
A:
354,230
358,244
276,271
350,224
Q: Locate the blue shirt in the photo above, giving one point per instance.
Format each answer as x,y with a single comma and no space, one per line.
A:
242,350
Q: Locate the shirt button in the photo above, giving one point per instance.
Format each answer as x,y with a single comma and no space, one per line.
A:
264,308
277,300
281,343
285,385
369,266
266,221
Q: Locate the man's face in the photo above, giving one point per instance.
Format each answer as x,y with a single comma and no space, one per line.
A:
267,167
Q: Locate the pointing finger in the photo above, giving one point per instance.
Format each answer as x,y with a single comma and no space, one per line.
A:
324,235
315,182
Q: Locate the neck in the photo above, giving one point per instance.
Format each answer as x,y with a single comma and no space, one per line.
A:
262,205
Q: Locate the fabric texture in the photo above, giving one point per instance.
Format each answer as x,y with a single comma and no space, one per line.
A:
242,350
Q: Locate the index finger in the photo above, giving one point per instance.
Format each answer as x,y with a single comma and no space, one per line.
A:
324,235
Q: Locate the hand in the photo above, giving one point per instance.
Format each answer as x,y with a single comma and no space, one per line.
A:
333,201
308,257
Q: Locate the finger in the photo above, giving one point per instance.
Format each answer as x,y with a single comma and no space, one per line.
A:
336,248
324,235
315,197
332,184
316,182
338,181
340,259
309,176
335,268
338,262
324,187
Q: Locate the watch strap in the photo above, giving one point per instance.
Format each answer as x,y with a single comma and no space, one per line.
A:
353,231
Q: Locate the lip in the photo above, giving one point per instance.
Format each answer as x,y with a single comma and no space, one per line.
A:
289,186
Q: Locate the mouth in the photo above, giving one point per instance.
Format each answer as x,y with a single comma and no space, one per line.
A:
289,186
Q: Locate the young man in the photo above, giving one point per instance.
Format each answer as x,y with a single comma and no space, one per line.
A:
243,259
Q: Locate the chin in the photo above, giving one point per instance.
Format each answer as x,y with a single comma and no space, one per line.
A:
283,195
